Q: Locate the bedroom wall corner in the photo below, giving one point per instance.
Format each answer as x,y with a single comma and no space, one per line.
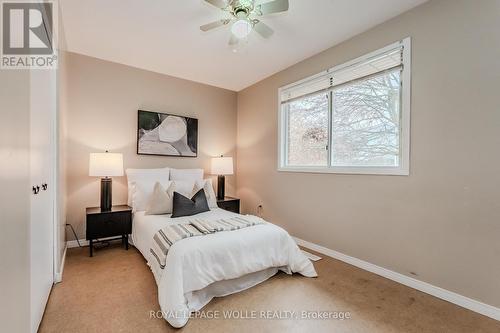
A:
62,135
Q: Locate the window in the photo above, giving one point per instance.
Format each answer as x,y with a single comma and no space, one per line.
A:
308,131
353,118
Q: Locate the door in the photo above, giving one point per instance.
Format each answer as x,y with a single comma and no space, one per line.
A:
42,165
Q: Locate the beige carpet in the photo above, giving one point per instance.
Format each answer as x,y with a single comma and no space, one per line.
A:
114,292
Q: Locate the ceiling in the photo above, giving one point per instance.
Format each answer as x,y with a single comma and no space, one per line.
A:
163,35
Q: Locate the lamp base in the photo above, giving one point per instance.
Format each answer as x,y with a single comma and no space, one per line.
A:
106,193
221,187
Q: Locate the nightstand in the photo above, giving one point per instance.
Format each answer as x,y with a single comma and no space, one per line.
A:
115,222
230,204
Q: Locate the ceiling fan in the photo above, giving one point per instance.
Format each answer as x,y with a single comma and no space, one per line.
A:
244,16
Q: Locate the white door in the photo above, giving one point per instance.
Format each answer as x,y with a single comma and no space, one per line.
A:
42,125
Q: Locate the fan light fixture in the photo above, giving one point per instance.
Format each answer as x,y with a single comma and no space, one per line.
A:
244,17
241,28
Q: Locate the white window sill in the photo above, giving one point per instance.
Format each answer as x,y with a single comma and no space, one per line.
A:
397,171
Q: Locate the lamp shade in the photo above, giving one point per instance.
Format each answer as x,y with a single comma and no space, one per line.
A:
222,166
106,164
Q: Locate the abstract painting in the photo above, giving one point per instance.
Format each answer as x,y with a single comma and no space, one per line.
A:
166,134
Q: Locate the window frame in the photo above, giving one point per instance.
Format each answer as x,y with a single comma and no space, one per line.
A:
403,169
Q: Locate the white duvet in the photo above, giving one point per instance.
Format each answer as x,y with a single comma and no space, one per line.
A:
199,268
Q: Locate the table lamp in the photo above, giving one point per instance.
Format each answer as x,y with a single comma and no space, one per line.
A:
106,165
221,166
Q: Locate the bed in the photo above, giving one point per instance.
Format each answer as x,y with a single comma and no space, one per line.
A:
200,268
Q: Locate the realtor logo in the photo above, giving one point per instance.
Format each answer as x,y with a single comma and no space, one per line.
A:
28,31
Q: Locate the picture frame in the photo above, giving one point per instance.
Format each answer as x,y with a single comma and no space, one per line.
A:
165,134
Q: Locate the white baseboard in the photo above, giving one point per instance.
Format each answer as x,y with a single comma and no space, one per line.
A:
74,243
58,275
463,301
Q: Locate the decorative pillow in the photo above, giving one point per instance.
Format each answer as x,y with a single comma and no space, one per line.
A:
186,174
183,206
150,176
184,187
141,194
209,191
160,201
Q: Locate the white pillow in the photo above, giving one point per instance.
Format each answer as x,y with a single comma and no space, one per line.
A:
209,191
161,200
184,187
186,174
142,192
145,175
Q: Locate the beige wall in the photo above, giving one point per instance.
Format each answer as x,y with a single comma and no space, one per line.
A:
15,200
442,221
103,99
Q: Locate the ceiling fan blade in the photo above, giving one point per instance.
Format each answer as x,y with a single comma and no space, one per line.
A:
272,7
233,40
263,29
217,3
213,25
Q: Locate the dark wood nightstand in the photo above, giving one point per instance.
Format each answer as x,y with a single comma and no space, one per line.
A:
101,224
230,204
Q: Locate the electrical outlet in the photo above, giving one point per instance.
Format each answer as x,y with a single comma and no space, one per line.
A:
259,210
